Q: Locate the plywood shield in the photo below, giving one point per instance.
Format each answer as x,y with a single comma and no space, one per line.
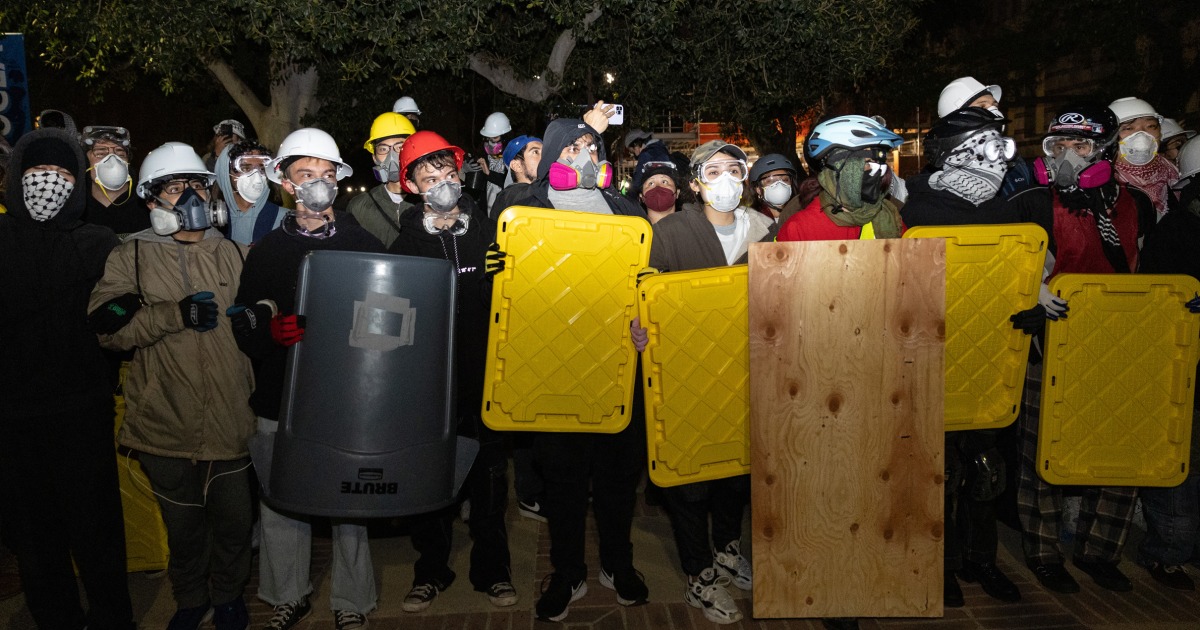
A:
846,380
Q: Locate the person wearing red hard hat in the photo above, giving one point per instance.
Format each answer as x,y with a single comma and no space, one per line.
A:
448,225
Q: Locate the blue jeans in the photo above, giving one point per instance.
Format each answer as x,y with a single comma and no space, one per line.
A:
1172,522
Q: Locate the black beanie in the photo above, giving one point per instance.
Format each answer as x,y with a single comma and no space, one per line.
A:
50,150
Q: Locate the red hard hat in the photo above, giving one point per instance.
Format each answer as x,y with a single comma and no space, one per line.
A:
418,146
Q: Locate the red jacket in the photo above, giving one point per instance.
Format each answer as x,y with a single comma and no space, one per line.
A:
1077,238
811,224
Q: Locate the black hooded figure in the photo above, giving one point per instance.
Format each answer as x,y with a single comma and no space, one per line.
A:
59,493
611,465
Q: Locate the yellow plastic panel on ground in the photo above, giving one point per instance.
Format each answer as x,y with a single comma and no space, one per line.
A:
992,272
145,535
560,357
696,369
1117,381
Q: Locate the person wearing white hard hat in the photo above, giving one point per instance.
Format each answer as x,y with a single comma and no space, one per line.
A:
187,416
1174,136
1139,130
968,92
407,106
492,164
308,165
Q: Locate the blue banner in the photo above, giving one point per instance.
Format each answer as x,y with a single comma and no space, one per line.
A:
14,88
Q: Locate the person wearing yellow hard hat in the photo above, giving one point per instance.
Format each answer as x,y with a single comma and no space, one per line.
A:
379,210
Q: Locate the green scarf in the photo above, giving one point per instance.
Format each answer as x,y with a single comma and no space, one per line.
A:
847,183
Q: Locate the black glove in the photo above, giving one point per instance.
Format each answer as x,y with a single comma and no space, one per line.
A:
248,320
1030,321
1193,304
494,261
199,311
114,314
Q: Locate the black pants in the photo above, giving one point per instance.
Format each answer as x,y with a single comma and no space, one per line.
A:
487,487
611,465
206,509
60,500
970,524
691,504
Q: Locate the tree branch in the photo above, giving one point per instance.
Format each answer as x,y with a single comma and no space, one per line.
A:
237,88
502,75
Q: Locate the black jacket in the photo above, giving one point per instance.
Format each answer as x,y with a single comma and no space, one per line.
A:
270,273
125,215
559,134
51,362
926,206
467,253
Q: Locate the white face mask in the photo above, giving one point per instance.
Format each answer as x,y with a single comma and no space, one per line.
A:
1139,148
45,193
112,172
724,194
778,193
252,186
996,110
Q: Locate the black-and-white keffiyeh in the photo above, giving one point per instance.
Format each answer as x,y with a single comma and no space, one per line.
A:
45,193
968,173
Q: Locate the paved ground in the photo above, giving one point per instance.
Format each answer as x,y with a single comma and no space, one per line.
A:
1148,607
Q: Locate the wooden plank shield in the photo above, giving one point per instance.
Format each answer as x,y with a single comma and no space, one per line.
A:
846,373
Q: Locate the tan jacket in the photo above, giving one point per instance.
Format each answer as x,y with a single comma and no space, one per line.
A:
187,393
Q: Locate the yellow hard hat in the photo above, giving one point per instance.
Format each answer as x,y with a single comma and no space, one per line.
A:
387,125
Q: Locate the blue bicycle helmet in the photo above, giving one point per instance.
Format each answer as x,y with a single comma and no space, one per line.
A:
847,132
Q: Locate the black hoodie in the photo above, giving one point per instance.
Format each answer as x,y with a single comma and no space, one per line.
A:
51,362
559,134
467,253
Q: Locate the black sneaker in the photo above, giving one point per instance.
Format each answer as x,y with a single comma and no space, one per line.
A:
1171,576
289,614
533,509
502,594
420,597
1106,575
557,594
231,615
952,595
190,618
350,620
992,579
1054,576
629,584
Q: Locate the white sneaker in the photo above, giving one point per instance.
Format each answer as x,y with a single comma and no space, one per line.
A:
732,564
708,593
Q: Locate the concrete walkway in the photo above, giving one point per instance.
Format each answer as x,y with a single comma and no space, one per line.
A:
1148,607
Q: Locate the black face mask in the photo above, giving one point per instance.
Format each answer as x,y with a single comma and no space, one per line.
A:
872,188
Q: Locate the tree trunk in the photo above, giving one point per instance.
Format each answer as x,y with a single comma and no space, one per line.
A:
505,78
293,96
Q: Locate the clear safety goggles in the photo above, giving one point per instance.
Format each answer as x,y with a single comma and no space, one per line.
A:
998,149
115,135
710,171
579,146
246,164
660,164
1057,146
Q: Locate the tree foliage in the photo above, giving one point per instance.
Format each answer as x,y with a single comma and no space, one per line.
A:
758,63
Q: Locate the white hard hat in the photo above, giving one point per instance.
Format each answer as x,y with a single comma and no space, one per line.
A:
1132,107
1189,159
308,142
495,126
167,162
1172,128
406,105
960,92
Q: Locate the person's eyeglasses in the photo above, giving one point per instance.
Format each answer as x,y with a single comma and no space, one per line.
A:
381,150
103,152
177,186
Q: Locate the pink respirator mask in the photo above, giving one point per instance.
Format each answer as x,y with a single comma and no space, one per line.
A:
1064,174
566,177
